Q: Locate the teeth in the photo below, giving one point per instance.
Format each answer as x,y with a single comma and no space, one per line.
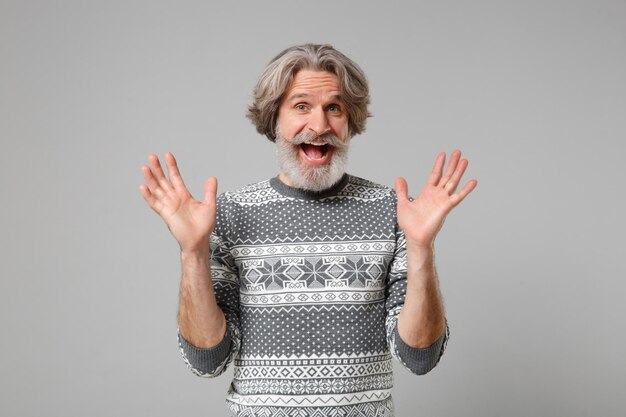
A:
315,143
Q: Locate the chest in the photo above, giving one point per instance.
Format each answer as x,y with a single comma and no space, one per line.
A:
314,253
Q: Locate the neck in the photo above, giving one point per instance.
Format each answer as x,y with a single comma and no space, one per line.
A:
285,180
293,191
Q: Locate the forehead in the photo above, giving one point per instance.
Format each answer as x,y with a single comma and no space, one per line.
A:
313,83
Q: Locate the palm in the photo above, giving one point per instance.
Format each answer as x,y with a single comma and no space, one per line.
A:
422,218
190,221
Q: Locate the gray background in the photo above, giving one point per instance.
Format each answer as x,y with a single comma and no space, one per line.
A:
531,264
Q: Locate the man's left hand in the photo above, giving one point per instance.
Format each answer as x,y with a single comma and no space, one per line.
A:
422,218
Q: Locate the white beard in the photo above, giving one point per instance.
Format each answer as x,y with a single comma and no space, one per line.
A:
311,178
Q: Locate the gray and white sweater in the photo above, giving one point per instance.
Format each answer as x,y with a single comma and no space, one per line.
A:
311,285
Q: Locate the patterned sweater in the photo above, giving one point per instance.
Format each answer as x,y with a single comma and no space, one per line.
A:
311,285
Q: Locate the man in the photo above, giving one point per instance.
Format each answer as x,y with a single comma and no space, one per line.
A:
316,278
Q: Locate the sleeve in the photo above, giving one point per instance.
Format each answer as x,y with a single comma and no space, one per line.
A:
416,360
213,361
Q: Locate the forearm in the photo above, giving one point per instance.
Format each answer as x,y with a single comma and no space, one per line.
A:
201,321
422,319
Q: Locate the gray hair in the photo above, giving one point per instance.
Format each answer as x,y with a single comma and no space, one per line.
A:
279,73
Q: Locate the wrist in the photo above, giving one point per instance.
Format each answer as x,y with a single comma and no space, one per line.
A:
423,250
196,253
196,246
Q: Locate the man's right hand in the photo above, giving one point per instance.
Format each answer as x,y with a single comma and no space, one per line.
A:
201,321
190,221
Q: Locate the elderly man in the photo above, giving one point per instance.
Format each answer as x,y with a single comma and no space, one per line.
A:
310,282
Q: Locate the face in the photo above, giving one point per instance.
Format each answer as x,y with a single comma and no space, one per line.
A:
312,132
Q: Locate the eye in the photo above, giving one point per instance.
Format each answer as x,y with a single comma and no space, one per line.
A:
300,107
334,108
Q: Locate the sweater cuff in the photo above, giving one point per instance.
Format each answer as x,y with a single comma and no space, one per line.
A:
420,360
206,360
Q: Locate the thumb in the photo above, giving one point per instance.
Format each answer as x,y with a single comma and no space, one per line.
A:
402,190
210,190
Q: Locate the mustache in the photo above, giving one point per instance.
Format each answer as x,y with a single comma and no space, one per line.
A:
327,138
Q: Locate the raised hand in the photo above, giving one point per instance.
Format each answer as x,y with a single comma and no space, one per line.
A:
422,218
190,221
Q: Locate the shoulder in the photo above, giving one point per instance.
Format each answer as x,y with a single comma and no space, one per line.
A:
365,189
252,193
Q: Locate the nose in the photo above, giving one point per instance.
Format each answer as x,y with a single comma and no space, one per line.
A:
318,122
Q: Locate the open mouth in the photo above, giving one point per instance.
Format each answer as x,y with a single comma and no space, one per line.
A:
316,152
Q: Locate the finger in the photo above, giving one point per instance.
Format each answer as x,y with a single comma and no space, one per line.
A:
454,160
146,194
173,173
157,171
210,190
460,196
151,181
402,190
454,181
152,201
153,187
435,176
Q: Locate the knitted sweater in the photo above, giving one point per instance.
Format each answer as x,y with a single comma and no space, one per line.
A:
311,285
